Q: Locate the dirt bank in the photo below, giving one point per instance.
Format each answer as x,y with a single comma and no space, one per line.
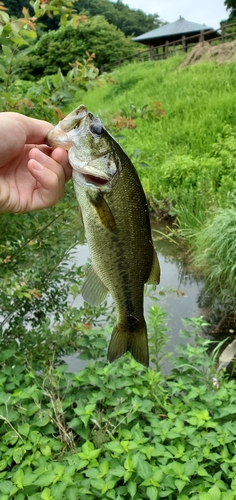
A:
225,52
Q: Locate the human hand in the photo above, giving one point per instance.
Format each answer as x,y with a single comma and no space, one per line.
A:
32,175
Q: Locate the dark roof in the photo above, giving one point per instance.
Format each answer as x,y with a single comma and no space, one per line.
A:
179,27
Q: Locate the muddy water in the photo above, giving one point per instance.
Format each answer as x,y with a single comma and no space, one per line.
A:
177,293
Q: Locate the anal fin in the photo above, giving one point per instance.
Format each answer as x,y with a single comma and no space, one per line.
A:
154,276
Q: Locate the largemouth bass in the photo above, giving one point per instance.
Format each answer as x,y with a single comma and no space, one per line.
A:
117,227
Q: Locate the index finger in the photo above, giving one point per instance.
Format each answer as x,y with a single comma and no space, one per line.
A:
34,130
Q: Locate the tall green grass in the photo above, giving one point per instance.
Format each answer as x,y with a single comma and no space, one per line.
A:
198,100
215,253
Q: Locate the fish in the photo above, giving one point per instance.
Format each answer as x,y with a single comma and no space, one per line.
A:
117,227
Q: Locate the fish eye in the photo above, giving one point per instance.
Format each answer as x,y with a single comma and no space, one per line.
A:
96,129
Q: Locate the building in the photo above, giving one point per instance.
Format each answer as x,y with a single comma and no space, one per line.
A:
174,32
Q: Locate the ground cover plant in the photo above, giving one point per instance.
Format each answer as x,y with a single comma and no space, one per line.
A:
118,431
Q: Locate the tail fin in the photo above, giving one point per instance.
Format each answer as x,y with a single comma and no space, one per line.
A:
135,342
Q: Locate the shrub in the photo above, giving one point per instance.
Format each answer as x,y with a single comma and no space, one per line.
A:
57,49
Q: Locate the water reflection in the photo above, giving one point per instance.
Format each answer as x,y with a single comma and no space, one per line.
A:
177,293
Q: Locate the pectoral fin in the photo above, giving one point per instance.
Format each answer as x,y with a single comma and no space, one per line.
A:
93,290
154,277
104,212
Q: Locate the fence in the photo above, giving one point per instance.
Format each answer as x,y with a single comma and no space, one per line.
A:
182,45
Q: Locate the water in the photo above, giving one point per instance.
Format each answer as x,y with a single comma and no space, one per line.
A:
177,293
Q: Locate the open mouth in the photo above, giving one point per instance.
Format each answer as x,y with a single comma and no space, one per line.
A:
96,181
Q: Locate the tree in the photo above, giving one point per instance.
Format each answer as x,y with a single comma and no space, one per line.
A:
130,21
15,6
231,7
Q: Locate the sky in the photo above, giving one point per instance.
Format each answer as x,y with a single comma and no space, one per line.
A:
209,12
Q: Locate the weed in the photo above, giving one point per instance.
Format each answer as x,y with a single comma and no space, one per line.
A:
215,252
118,431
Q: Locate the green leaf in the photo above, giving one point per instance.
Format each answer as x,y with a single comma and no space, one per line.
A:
152,493
4,16
228,495
45,479
3,464
59,471
127,475
103,468
72,493
204,496
19,41
88,451
6,487
18,455
180,484
99,484
144,469
35,437
190,467
28,34
18,478
88,447
46,451
201,471
42,420
118,471
7,52
29,479
215,493
132,488
10,438
128,464
3,73
46,494
24,429
115,446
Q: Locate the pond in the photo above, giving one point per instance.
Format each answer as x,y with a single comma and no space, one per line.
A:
177,293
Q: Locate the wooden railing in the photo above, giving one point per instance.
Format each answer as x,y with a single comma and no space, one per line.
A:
171,48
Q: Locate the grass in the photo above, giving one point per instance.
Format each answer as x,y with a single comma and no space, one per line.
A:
216,252
198,101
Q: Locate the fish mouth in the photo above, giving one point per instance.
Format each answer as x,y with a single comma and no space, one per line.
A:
93,179
88,179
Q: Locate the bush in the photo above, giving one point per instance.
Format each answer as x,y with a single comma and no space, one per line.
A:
57,49
210,177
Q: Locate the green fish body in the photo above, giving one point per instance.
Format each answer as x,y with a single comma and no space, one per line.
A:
117,227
